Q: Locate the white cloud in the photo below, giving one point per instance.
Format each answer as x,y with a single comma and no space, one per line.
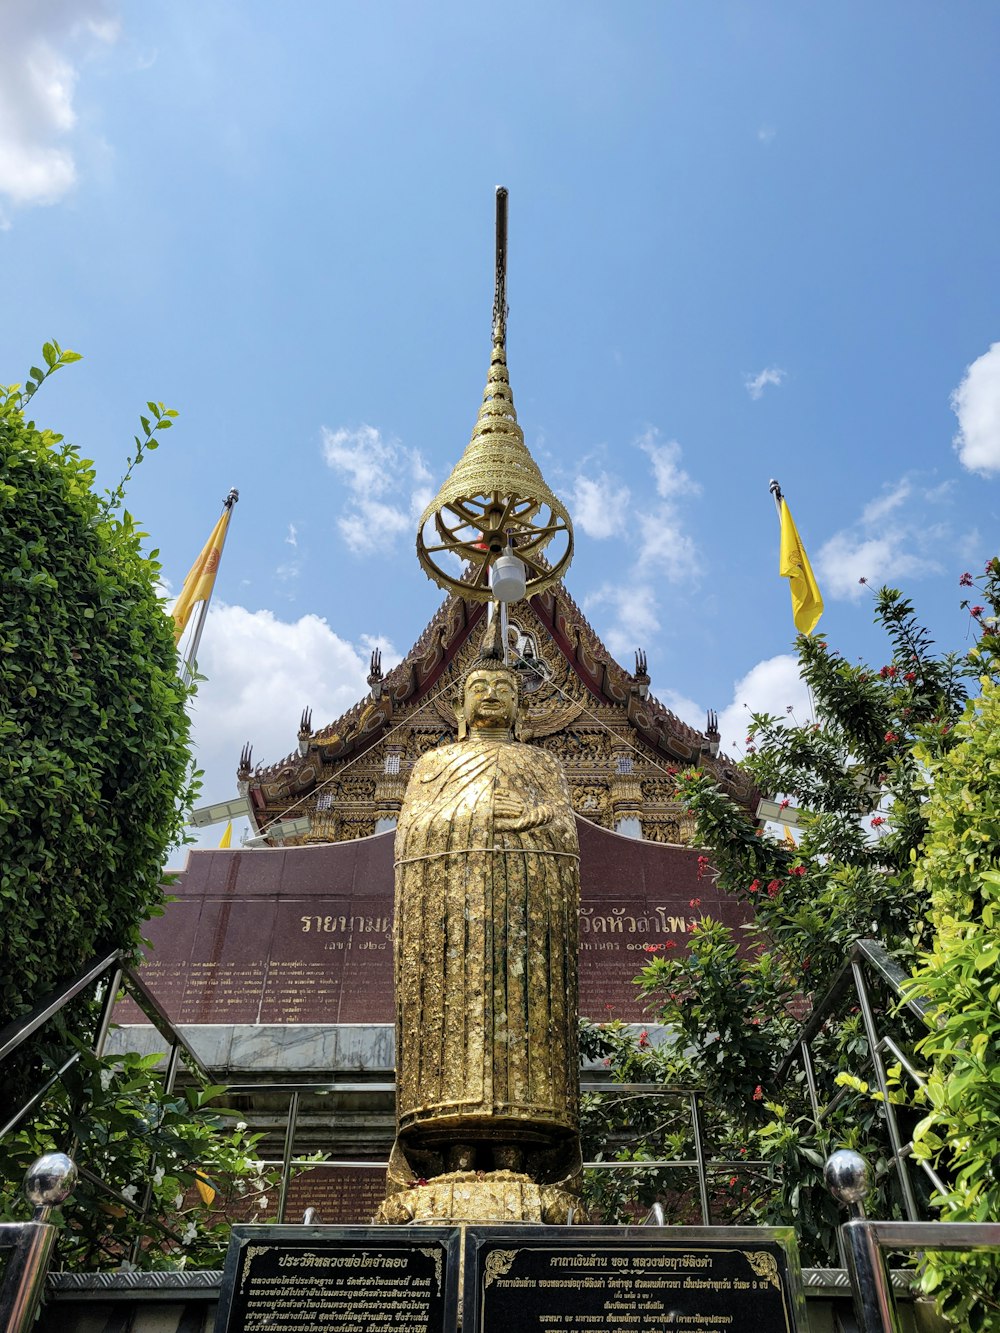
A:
772,686
847,558
875,510
635,616
899,535
293,537
42,47
387,486
600,506
681,706
671,479
766,134
976,403
261,672
756,384
665,545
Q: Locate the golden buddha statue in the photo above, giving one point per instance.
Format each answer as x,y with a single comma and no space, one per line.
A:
486,947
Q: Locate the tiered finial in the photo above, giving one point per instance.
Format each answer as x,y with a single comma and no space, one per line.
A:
496,495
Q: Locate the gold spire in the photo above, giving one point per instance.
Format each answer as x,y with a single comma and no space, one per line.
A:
495,492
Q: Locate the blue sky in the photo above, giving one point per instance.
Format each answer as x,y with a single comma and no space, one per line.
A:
746,240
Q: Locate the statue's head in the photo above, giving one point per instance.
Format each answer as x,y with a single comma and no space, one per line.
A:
489,700
490,694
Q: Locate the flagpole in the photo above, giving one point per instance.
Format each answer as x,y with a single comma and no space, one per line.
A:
191,656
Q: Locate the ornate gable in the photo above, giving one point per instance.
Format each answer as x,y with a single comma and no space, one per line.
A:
620,747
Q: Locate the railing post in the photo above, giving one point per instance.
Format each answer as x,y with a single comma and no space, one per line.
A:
107,1009
868,1018
286,1168
49,1182
873,1304
699,1156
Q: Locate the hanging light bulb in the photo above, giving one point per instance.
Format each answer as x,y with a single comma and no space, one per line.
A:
508,577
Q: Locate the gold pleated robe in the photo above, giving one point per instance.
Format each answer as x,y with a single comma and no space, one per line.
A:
486,950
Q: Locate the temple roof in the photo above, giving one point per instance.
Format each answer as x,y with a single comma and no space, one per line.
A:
411,683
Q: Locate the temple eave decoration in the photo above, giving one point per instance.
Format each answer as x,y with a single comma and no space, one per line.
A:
621,747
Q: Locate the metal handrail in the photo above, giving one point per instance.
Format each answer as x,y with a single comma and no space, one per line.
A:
20,1029
868,954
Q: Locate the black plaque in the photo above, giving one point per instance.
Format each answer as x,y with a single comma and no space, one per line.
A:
632,1279
289,1279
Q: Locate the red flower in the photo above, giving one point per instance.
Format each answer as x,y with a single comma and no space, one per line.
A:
966,580
643,1038
652,948
732,1180
891,738
975,610
695,902
758,1093
877,822
754,886
797,870
807,963
862,579
784,804
670,944
755,1022
774,888
910,677
702,866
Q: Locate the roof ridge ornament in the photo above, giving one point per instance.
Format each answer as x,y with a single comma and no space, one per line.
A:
495,496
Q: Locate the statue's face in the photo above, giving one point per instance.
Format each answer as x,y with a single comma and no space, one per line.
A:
490,700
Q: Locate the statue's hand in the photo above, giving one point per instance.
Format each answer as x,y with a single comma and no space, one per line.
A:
511,815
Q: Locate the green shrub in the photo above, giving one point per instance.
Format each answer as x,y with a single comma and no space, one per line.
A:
93,729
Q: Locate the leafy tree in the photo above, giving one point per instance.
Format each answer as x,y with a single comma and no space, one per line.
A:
93,729
865,866
959,869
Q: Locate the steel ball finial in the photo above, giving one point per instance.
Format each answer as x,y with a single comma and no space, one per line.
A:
50,1180
846,1176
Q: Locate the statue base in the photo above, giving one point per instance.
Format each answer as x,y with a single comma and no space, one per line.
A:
480,1198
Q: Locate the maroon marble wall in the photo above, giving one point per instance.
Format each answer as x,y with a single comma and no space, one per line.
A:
304,935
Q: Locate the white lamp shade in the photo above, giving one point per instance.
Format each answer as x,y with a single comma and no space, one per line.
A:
509,579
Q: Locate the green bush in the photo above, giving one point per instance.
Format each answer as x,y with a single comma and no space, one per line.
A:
960,869
93,730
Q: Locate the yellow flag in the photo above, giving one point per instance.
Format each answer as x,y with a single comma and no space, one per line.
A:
227,837
807,604
198,584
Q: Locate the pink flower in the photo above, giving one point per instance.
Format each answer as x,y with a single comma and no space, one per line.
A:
758,1093
966,580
